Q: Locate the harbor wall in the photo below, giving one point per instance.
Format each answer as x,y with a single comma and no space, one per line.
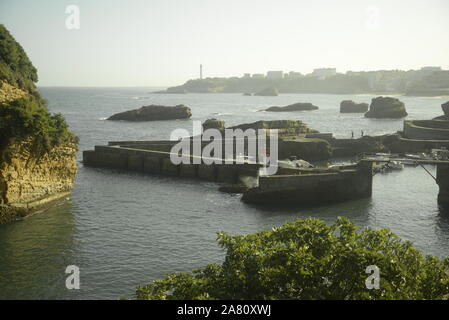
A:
159,162
313,188
426,129
443,183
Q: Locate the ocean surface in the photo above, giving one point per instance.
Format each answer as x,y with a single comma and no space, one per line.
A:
125,229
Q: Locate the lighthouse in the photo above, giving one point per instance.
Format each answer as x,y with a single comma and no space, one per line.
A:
201,72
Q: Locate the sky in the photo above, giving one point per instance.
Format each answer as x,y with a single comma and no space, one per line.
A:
163,42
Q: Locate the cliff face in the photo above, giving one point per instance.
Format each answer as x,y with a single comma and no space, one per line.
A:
30,180
37,151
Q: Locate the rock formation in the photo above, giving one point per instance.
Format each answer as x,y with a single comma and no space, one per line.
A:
285,127
29,180
349,106
293,107
37,152
214,124
270,91
154,112
292,141
445,107
386,107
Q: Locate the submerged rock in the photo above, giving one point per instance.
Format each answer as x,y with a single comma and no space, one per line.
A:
271,91
154,112
349,106
386,107
300,106
213,124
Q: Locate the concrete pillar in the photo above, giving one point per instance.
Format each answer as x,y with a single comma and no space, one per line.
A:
366,178
443,183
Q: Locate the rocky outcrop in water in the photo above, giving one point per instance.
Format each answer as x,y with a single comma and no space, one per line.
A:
300,106
349,106
292,141
386,107
271,91
213,124
445,107
285,127
153,113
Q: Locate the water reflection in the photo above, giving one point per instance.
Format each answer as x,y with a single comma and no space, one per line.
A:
35,252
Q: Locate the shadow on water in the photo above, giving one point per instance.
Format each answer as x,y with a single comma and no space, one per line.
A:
35,252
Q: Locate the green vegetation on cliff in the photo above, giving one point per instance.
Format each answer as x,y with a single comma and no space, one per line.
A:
308,259
23,113
15,67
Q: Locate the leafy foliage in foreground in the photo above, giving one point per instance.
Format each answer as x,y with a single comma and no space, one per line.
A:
308,259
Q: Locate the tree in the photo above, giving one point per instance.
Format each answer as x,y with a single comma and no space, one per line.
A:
308,259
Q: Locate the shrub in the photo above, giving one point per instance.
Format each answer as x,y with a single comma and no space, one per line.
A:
27,116
308,259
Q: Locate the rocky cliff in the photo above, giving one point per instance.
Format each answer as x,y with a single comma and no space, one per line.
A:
37,151
386,107
31,180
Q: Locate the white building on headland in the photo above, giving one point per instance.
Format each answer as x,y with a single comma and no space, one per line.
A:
324,73
275,74
258,75
293,75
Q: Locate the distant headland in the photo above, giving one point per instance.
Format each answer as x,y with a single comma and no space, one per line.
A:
427,81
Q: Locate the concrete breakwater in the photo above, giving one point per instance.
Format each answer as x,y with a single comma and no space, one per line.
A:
287,186
313,187
154,158
443,183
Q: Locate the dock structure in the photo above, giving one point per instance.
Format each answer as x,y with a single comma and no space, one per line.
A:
153,157
286,186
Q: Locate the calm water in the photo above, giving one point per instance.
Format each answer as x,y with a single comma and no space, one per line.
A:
124,230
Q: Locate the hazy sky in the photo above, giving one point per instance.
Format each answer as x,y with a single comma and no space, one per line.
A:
163,42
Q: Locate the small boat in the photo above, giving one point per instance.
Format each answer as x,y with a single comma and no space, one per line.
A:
394,165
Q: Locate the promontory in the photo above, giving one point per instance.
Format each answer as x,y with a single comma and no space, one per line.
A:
37,151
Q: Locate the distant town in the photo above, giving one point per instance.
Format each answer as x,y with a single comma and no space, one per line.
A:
427,81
